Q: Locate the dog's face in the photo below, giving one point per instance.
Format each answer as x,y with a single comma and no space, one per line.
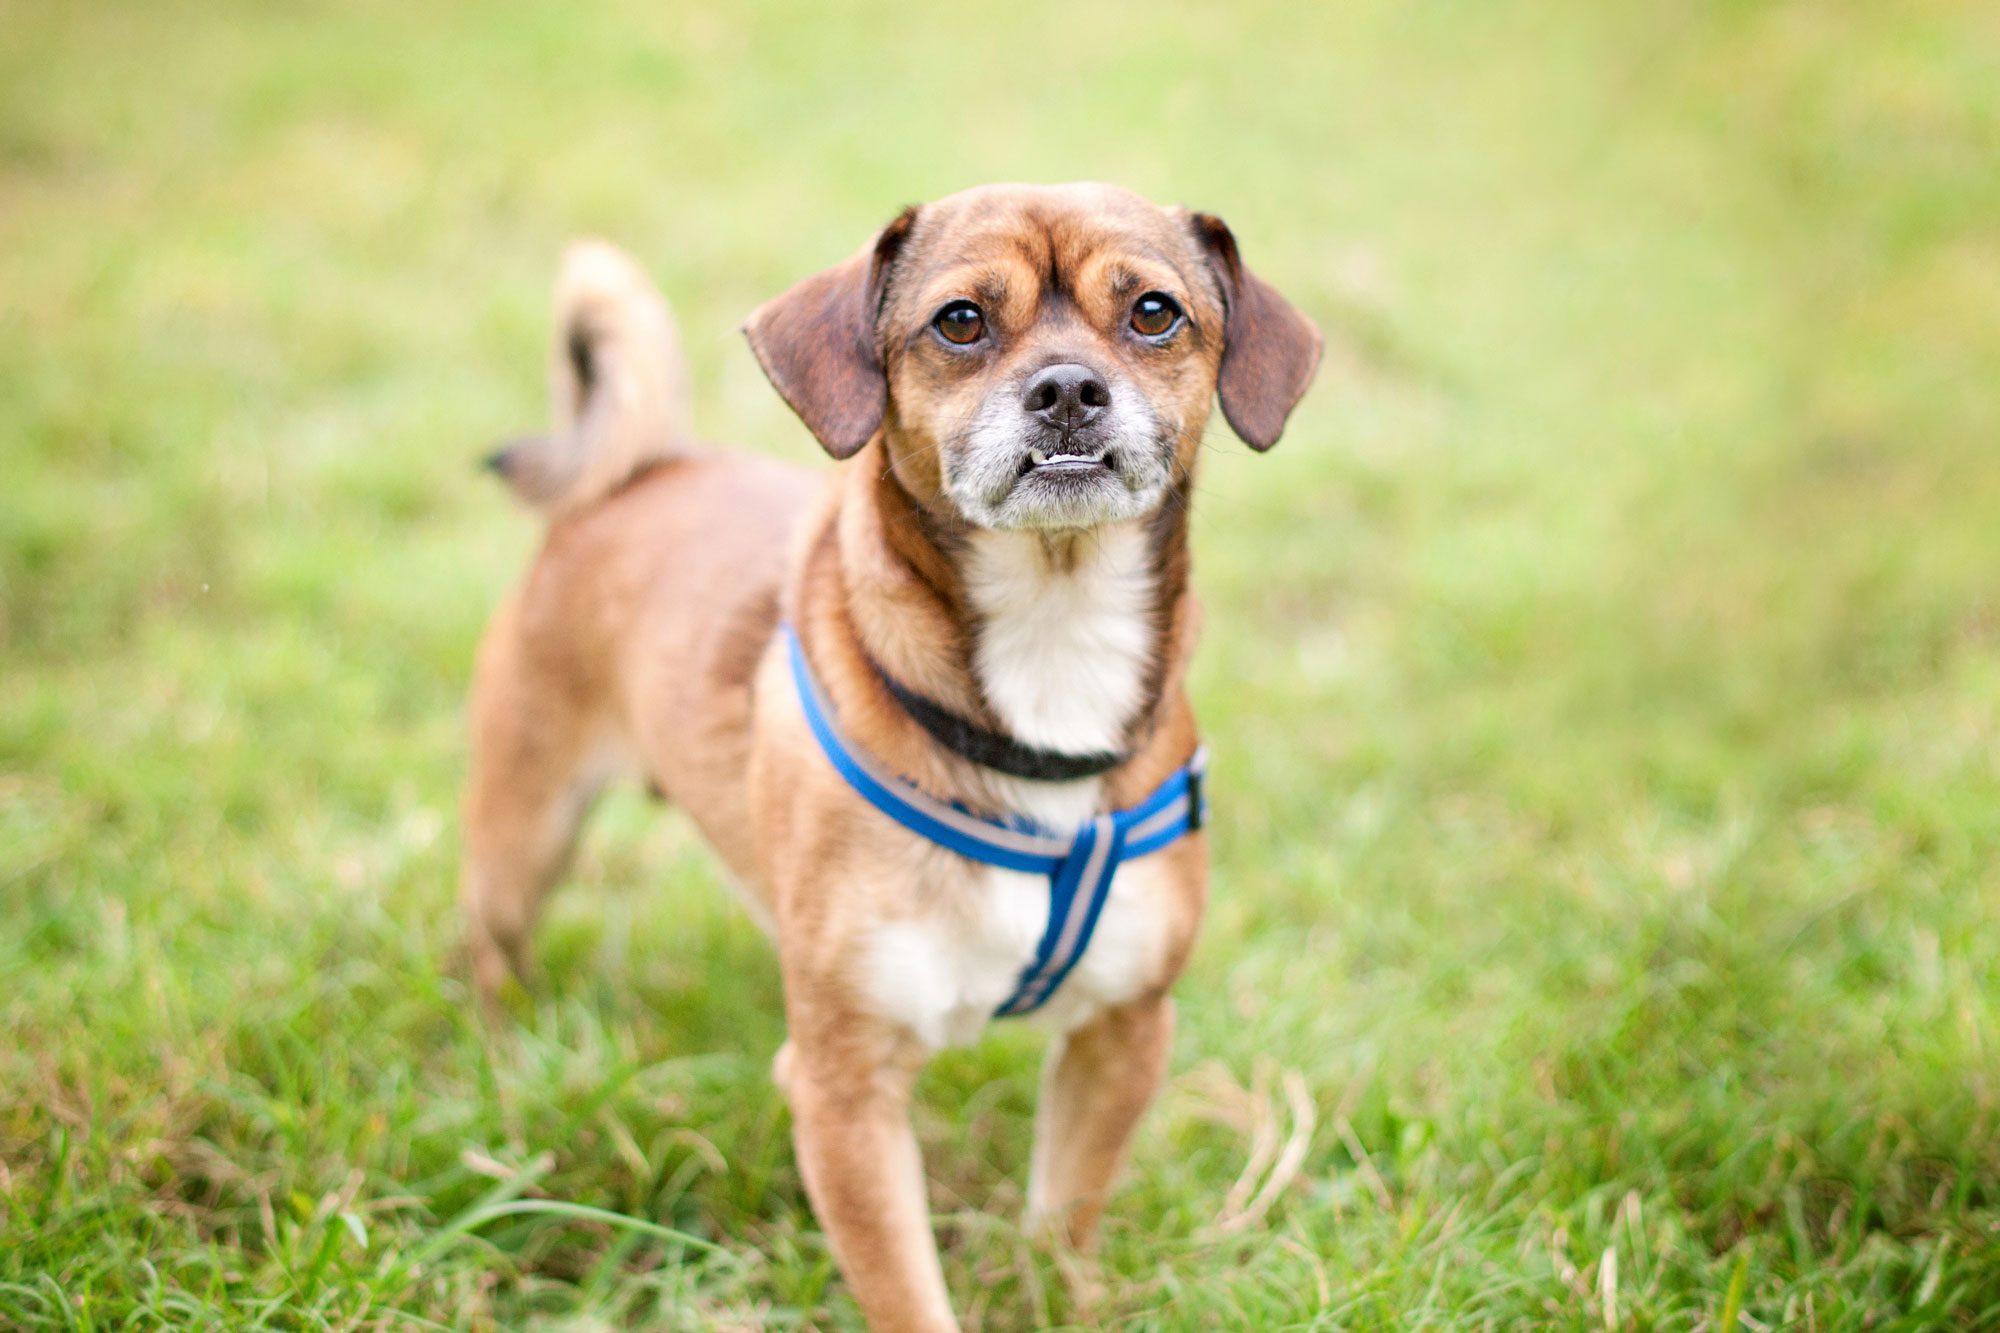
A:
1038,357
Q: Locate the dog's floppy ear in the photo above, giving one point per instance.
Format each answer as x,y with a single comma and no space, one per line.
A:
819,346
1269,351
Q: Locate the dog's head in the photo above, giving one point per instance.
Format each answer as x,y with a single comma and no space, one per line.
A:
1038,356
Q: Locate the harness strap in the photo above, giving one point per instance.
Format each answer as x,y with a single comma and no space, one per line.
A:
1077,892
1080,867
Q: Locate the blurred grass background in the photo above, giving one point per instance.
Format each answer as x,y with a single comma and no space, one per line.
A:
1604,673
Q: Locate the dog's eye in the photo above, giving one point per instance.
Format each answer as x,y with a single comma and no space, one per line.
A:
960,322
1154,314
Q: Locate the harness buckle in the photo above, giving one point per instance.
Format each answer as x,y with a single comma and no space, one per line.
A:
1197,807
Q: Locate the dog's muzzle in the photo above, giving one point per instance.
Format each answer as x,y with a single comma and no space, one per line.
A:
1065,450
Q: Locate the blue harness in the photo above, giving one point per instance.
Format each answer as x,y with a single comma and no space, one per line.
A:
1079,866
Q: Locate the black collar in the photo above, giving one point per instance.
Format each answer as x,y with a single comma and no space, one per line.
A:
989,749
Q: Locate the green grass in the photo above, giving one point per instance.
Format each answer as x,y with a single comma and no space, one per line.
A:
1604,674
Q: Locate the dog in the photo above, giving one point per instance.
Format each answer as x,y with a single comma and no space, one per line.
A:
870,688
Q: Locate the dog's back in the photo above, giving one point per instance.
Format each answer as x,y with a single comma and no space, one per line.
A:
641,618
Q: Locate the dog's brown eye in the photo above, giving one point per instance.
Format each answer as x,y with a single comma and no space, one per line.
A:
1154,313
960,322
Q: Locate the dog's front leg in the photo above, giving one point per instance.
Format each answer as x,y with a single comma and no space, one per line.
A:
1097,1082
849,1087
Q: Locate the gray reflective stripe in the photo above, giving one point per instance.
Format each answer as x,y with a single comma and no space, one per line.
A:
1087,887
1034,994
1086,890
1029,998
970,825
1178,809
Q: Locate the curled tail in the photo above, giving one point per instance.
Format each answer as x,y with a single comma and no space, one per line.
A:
619,384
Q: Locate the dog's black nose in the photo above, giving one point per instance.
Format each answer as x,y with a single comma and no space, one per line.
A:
1067,396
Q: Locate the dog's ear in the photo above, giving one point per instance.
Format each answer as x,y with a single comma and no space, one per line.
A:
820,348
1269,350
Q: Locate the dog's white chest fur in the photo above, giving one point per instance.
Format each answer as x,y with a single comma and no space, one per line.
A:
1062,657
942,974
1063,651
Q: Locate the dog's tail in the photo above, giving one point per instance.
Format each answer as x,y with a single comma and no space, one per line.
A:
619,384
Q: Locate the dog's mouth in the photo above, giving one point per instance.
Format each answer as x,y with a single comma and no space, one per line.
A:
1004,476
1068,485
1059,463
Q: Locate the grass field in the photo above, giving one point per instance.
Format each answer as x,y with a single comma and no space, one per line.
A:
1604,674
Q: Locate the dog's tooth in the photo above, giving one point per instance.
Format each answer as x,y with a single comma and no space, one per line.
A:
1037,457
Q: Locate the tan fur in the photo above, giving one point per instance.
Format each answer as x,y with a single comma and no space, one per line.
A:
642,641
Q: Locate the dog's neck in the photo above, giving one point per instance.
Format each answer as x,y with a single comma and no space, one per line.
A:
1060,641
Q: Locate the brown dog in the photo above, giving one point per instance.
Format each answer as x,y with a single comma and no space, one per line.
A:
992,593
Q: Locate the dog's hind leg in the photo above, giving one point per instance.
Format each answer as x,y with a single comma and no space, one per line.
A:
539,759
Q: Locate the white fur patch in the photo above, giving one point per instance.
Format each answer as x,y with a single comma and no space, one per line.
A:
943,974
1063,652
1062,657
